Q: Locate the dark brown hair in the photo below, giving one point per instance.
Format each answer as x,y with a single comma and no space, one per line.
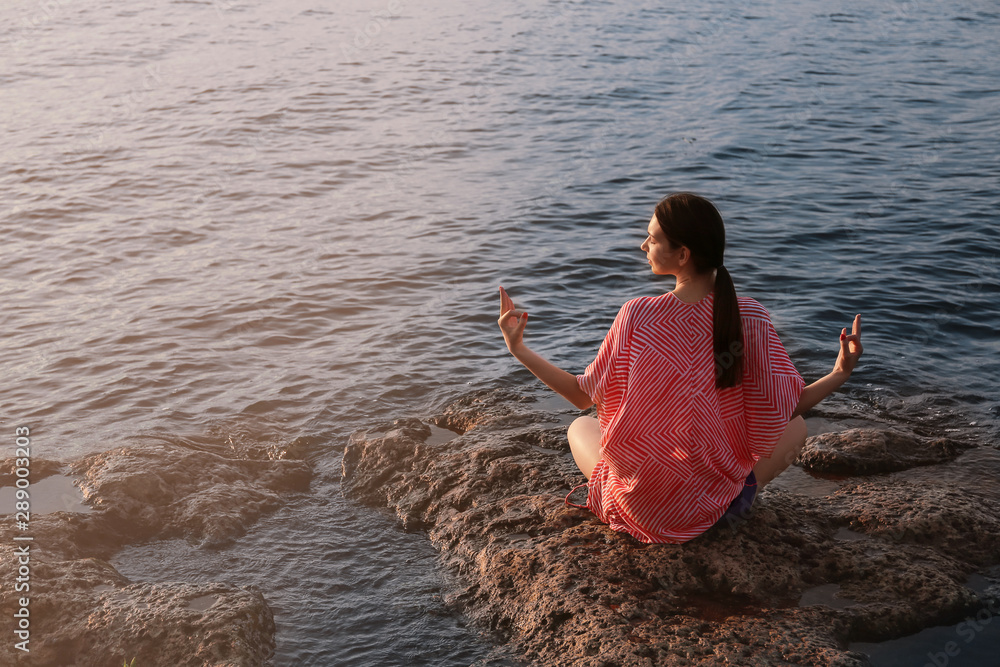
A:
692,221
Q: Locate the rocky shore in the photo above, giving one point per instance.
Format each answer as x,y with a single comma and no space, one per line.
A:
84,613
886,550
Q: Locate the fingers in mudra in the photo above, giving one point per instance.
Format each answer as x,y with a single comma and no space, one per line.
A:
852,341
855,337
506,304
511,319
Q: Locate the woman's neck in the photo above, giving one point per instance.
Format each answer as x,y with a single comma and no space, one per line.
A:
693,288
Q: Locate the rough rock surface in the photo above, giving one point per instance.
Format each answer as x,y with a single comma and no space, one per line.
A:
162,492
880,557
865,451
83,612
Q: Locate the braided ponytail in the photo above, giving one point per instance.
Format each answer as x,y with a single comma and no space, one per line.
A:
727,332
693,221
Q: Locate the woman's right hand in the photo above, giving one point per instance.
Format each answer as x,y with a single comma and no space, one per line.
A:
850,348
512,322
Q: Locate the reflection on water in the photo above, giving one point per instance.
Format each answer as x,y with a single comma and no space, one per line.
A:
825,594
55,493
202,603
847,535
439,435
796,480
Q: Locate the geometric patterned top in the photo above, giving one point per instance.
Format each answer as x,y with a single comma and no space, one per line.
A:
675,450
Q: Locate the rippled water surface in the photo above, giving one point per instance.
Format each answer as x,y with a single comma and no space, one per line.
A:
236,223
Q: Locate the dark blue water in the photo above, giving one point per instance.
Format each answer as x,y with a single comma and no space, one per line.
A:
234,224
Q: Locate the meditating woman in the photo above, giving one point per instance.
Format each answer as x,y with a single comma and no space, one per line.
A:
698,404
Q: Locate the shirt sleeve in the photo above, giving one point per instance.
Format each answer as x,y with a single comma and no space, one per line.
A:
600,380
772,386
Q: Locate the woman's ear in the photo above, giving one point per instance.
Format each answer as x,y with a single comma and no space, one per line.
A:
683,256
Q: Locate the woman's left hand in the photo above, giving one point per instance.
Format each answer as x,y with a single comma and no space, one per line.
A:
850,348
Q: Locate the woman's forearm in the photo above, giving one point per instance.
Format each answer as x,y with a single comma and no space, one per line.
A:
819,390
555,378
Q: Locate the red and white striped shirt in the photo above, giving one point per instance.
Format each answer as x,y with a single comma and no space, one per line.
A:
676,450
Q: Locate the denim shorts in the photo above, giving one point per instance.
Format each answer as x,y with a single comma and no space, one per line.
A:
739,509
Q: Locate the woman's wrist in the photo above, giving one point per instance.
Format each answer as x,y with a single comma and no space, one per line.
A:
517,349
840,374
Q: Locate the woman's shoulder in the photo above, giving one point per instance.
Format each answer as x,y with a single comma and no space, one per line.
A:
751,308
635,312
641,308
640,304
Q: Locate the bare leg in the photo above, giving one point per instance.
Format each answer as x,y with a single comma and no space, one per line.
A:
584,437
785,452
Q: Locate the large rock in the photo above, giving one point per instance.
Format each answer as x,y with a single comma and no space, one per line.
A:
159,492
875,559
83,612
494,408
865,451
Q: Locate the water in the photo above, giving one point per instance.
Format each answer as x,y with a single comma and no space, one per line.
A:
235,223
972,642
969,643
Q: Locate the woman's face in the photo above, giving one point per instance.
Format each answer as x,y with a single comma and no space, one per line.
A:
662,258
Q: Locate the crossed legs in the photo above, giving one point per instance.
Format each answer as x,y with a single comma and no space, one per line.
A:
785,452
584,437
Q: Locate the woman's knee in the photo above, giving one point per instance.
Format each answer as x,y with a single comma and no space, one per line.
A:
584,436
793,439
786,450
798,431
583,426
